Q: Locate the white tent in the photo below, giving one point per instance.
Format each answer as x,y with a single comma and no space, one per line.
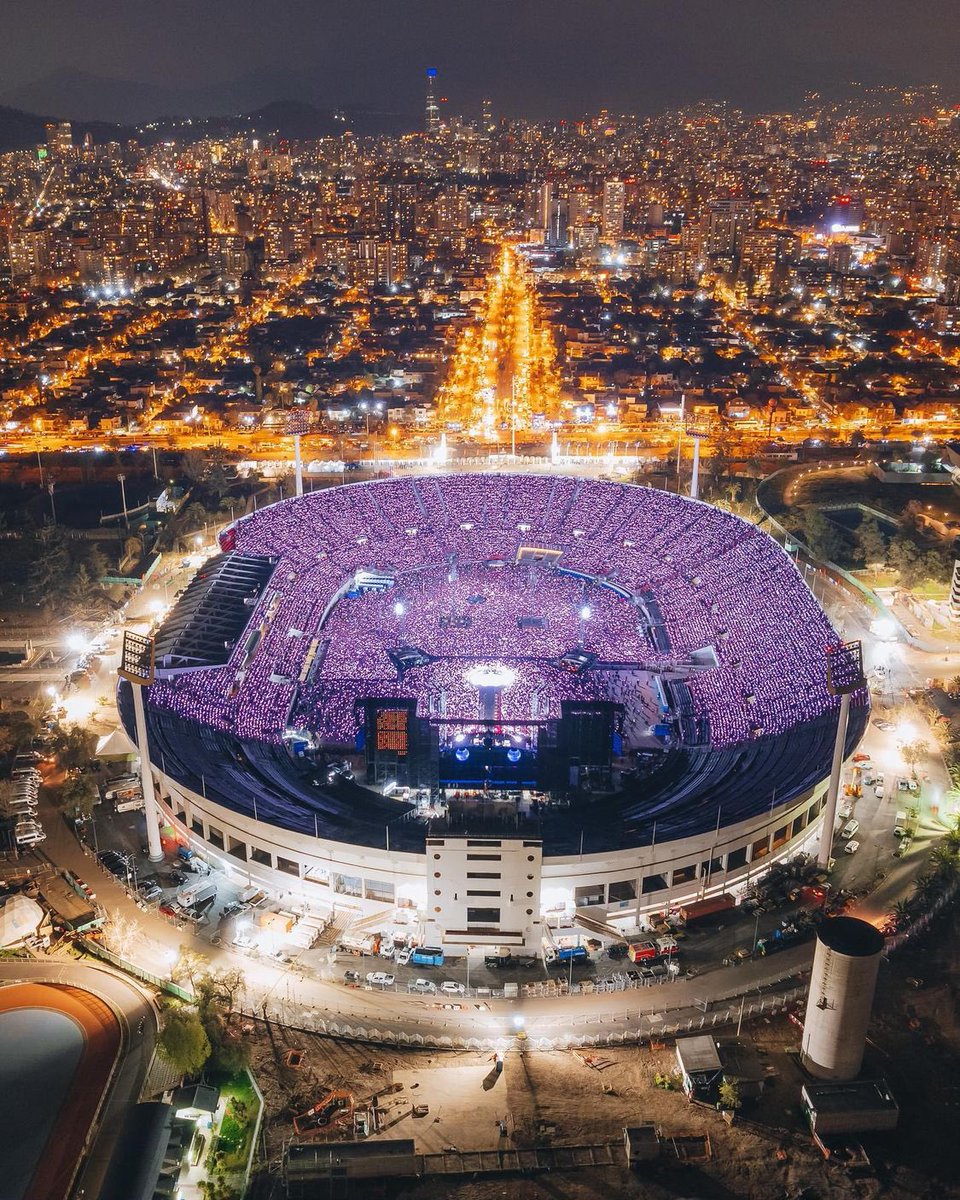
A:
20,918
116,744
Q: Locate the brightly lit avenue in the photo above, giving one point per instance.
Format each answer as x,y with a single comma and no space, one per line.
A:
494,699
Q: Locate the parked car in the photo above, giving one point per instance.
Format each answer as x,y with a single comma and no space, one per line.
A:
422,985
886,726
851,847
449,988
861,758
846,812
908,785
351,977
149,891
850,829
403,956
380,978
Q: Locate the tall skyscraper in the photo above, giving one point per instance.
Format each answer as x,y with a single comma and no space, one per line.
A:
486,117
433,109
59,138
614,198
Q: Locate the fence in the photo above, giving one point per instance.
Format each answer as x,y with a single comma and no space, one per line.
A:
639,1027
107,956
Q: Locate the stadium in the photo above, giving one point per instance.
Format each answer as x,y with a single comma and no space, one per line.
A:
617,693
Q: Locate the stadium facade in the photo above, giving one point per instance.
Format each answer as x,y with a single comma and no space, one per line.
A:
492,698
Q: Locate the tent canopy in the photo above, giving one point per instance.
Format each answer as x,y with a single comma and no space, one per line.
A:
20,918
116,744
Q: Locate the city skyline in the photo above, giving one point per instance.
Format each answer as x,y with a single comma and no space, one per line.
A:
536,60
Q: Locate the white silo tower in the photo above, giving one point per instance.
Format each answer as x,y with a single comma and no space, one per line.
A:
842,984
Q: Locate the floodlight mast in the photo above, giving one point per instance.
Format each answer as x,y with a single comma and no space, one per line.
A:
137,667
844,677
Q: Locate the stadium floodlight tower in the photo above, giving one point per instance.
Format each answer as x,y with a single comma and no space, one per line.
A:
844,677
137,667
297,425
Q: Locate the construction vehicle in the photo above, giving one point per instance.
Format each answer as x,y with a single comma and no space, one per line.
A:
335,1107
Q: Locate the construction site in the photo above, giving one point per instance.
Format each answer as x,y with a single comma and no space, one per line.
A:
350,1120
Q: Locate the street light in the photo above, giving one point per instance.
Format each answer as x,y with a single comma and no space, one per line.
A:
123,498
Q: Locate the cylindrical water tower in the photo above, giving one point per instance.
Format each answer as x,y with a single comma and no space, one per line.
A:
841,996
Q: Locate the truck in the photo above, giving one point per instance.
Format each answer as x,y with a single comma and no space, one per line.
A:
503,958
663,947
118,789
706,908
566,954
191,862
195,893
360,943
129,803
427,956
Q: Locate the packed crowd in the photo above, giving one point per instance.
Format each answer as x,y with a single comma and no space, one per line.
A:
665,575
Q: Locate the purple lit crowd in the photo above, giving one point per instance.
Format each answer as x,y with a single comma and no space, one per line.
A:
688,576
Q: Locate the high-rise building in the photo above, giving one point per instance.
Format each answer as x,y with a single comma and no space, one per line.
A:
59,138
486,117
433,109
724,224
614,200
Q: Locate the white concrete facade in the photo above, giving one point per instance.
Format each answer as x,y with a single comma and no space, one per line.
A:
483,891
618,886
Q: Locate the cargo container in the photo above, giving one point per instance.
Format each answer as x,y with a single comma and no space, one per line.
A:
706,908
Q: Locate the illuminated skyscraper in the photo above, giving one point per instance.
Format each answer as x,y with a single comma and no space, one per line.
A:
614,197
59,138
433,110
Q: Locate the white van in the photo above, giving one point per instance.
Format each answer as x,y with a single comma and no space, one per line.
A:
850,829
878,791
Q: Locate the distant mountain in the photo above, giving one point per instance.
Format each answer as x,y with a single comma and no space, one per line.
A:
24,130
302,112
89,97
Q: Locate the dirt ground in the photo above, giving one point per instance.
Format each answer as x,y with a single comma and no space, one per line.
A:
543,1098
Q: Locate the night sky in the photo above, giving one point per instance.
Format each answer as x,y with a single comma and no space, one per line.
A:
133,59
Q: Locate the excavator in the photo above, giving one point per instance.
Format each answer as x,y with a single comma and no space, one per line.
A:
336,1106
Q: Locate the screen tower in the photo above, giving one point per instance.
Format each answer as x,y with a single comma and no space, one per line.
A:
433,109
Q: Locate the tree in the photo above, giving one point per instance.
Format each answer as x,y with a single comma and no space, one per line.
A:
121,933
76,748
914,752
183,1041
95,561
190,967
79,794
943,860
730,1093
17,731
217,994
871,542
193,464
218,481
822,536
49,570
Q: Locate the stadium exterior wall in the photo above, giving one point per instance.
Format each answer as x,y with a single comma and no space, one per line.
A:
313,870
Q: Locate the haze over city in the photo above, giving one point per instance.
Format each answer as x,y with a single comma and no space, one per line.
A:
540,59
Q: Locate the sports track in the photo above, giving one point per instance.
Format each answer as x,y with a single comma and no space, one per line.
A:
37,1073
